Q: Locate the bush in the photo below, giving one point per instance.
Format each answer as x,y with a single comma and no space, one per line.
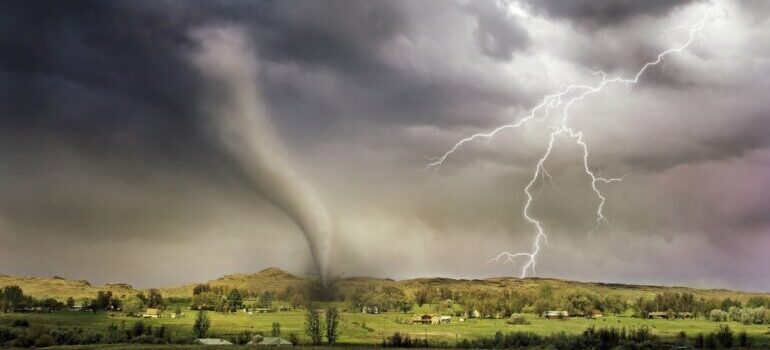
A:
743,340
147,339
725,336
242,338
66,336
398,340
718,315
44,341
20,323
699,341
735,313
8,334
294,338
517,319
710,342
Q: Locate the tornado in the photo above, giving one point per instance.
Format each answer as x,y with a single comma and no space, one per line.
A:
240,122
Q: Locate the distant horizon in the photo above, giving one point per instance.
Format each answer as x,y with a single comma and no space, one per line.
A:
305,274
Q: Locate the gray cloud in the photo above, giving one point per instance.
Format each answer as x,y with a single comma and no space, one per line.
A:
598,13
497,34
105,146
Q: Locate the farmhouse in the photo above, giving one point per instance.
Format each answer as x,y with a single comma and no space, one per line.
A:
151,313
658,314
425,319
558,314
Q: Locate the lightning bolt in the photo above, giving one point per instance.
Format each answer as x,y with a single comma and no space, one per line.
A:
565,99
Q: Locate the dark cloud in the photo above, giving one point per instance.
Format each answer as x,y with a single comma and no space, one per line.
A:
104,139
599,13
498,34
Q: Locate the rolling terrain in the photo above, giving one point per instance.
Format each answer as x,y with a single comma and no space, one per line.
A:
277,280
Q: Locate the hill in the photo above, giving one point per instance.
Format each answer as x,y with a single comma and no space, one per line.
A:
277,280
534,284
271,279
60,288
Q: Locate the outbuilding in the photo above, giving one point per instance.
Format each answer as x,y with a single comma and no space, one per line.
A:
213,341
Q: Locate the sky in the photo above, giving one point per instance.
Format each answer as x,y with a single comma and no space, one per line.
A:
166,142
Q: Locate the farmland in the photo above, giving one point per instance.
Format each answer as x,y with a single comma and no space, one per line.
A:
364,329
369,329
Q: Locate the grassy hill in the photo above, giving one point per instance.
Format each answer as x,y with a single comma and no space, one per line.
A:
271,279
60,288
533,284
277,280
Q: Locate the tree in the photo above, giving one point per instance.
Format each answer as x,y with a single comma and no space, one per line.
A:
103,301
332,323
70,302
12,297
297,300
313,325
445,293
133,306
266,300
201,288
405,306
201,301
155,299
757,301
423,296
276,331
234,300
202,324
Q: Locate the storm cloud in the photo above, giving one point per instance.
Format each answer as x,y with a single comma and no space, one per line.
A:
108,154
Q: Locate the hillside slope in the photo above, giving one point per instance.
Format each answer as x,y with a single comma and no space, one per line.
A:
60,288
270,279
277,280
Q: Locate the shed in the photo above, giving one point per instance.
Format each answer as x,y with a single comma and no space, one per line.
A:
560,314
213,341
658,314
274,341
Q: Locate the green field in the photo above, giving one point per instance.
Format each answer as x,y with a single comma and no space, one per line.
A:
367,329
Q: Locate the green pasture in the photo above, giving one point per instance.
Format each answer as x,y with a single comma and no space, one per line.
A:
369,329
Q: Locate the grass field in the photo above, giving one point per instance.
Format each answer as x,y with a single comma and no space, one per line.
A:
367,329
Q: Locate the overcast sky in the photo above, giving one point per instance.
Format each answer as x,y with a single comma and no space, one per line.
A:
164,142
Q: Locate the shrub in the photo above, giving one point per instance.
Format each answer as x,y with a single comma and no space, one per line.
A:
710,342
699,341
294,338
517,319
735,313
147,339
718,315
8,334
66,336
20,323
44,341
398,340
743,340
242,338
725,336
